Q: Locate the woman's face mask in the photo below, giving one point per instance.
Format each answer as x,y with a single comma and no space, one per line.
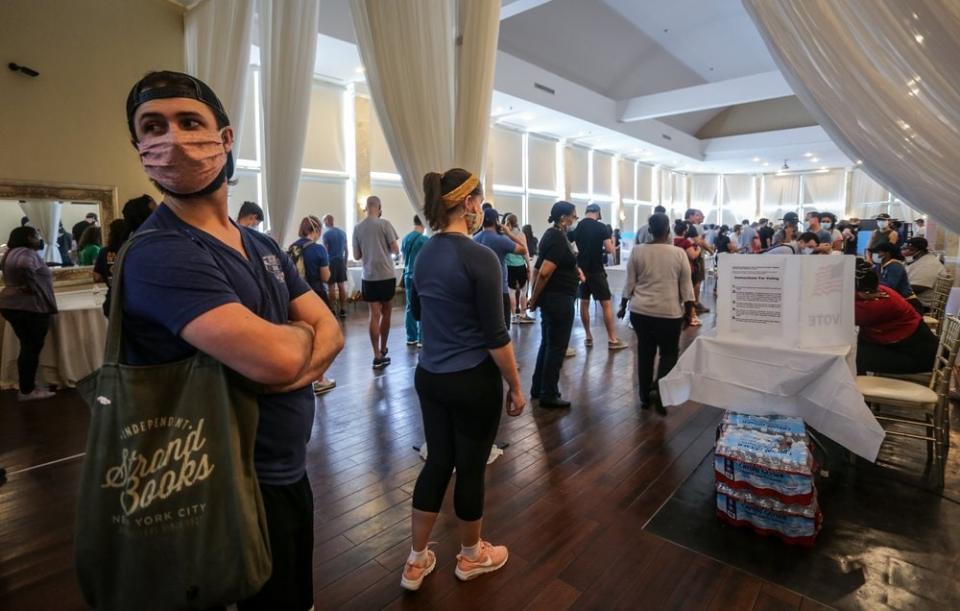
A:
806,250
882,224
183,162
827,225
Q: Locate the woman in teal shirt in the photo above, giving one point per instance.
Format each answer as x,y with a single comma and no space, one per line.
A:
410,248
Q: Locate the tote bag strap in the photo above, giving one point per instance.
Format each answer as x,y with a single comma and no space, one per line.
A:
111,354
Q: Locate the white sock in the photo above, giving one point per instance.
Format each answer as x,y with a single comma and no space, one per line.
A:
470,552
416,557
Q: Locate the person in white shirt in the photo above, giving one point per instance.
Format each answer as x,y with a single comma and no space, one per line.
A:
921,228
659,292
923,269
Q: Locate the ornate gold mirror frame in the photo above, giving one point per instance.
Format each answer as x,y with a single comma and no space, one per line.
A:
106,197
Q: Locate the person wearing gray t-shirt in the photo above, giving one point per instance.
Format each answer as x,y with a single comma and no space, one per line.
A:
374,244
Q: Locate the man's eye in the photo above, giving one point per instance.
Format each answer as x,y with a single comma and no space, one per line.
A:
151,128
190,124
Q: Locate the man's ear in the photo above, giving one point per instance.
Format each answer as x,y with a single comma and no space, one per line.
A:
228,137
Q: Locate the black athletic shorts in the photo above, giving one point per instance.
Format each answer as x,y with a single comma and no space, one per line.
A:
374,291
338,270
596,286
517,276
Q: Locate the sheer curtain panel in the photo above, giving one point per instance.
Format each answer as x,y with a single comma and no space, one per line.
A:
217,37
44,215
704,189
823,192
868,197
288,49
739,199
781,194
429,66
882,78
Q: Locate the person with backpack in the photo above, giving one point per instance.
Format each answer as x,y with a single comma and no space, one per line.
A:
312,263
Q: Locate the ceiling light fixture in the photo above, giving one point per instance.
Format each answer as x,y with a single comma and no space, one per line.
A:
814,159
918,38
786,166
756,159
528,116
859,162
766,163
359,69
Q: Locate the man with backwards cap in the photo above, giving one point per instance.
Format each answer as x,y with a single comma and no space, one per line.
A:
204,283
883,234
789,218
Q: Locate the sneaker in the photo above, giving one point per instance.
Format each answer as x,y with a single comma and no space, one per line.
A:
419,344
523,319
324,385
588,342
570,352
37,394
617,345
413,575
700,308
381,363
342,314
490,559
412,342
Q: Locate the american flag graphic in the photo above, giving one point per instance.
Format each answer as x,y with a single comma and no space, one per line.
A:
829,280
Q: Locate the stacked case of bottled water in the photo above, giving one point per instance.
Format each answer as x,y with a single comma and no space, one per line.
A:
764,472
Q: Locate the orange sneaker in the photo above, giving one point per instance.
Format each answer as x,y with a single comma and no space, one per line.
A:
490,558
414,574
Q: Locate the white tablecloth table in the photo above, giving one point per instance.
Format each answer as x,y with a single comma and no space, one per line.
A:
816,385
953,302
74,345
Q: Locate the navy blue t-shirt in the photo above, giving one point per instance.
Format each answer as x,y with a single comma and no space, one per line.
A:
174,276
314,259
335,241
502,246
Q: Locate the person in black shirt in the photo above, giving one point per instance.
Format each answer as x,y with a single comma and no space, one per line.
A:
765,232
554,292
78,229
594,239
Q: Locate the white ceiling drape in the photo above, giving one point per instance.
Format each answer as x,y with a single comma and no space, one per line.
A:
883,79
217,49
288,49
429,66
44,215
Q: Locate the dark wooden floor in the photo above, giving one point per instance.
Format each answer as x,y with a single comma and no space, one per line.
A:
569,497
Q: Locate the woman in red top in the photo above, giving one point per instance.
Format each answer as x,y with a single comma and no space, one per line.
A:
684,232
893,337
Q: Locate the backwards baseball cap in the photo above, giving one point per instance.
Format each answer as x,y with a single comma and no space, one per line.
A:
490,217
791,217
595,208
168,84
918,243
561,209
883,216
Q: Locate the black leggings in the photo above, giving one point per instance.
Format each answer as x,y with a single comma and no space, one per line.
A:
461,413
653,333
31,329
914,354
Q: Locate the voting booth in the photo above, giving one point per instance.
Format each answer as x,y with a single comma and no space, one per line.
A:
787,300
785,345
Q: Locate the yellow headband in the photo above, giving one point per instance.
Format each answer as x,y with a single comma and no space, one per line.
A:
460,193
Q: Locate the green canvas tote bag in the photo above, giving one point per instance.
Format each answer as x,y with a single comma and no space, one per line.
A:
170,514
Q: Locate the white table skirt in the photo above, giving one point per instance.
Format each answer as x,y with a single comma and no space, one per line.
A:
817,386
74,345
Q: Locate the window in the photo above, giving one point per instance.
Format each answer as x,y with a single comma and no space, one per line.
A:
247,131
380,158
395,205
539,210
542,163
508,202
577,165
324,147
246,190
645,183
506,149
602,176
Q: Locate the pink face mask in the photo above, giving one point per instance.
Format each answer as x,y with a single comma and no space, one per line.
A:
183,162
